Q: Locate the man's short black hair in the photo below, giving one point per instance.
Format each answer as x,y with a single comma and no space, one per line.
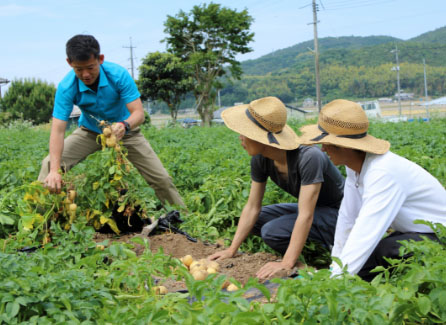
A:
82,47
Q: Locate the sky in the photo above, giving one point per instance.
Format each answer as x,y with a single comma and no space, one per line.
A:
33,33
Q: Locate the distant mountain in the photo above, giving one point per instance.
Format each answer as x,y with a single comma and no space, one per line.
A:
435,36
298,53
350,67
370,51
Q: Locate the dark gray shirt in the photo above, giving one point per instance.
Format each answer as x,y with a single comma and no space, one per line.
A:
306,165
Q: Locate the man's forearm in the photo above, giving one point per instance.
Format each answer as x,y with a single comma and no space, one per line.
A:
135,119
247,220
297,241
136,110
56,148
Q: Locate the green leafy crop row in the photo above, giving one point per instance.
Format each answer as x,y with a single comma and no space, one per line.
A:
72,280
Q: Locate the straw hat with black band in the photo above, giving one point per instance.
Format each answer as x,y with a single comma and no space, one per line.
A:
343,123
262,120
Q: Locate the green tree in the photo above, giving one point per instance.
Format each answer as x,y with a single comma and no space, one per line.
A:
163,76
208,39
29,99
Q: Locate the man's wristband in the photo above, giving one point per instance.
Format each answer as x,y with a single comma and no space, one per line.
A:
126,126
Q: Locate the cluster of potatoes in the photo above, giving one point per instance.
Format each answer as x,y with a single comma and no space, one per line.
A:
202,268
110,138
70,207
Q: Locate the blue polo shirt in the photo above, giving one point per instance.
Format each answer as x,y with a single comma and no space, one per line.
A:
116,88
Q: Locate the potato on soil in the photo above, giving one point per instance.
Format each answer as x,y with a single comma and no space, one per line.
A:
187,260
214,265
194,264
198,267
160,290
199,274
211,270
232,287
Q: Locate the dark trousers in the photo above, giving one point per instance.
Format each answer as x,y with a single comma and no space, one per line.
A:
276,222
389,247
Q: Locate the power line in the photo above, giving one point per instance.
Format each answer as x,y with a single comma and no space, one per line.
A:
356,4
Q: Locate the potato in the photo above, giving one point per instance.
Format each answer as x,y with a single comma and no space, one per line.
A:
198,267
160,290
100,247
111,141
214,265
211,270
102,123
107,132
232,287
188,260
194,264
72,195
73,207
199,274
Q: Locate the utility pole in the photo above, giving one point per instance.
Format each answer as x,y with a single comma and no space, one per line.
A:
316,56
397,68
425,88
131,47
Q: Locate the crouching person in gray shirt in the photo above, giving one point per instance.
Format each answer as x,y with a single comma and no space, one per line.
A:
305,172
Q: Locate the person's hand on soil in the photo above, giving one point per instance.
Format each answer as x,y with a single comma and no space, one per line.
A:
53,182
271,268
221,255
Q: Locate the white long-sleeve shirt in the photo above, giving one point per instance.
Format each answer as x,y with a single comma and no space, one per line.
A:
390,191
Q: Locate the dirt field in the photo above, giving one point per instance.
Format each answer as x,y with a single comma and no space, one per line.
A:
241,267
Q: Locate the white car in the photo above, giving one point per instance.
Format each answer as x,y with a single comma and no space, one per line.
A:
372,109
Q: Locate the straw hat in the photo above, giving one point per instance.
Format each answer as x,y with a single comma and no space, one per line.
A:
262,120
343,123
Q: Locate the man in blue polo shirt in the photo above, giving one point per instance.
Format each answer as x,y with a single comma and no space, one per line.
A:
103,91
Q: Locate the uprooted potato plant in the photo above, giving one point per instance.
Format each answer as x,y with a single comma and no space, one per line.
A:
107,193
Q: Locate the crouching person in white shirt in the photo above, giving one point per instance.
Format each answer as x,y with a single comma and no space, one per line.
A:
382,191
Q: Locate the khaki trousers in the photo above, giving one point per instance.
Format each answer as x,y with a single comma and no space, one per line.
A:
82,142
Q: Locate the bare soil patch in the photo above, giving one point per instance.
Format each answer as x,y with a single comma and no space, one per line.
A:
241,267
